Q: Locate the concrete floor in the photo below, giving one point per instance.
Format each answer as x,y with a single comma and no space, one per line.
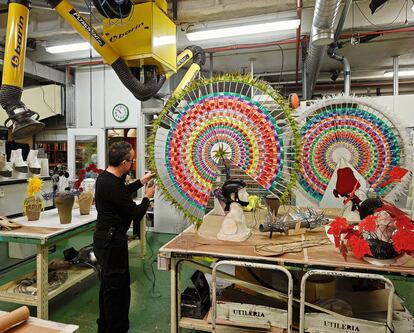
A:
150,301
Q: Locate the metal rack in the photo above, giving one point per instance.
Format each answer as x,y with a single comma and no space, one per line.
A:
313,322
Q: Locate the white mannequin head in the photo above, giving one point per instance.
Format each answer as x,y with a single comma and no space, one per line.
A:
234,226
243,195
234,190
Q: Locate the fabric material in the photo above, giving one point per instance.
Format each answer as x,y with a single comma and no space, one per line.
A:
116,210
346,182
346,185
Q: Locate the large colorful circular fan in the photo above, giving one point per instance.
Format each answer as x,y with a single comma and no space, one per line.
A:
231,118
356,130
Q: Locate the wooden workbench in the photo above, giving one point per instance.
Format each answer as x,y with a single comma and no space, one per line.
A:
189,246
45,233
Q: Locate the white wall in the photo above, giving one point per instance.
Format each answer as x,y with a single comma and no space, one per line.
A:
107,91
45,100
400,106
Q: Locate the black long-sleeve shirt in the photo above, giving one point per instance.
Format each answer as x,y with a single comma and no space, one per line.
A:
114,203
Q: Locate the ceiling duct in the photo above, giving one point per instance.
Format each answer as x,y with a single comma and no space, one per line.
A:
333,48
322,34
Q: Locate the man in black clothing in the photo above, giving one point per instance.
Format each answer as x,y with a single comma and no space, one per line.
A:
116,210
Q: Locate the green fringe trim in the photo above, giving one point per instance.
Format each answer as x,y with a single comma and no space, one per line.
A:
194,85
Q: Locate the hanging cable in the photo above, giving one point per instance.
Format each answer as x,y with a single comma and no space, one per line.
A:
154,293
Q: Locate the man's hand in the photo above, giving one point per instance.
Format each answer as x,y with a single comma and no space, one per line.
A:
150,190
147,177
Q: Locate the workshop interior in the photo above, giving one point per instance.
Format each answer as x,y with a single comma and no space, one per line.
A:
207,166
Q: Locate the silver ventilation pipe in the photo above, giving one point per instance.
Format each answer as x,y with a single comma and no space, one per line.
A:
322,34
347,68
396,78
333,48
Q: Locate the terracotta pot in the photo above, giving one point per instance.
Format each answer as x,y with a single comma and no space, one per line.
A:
85,202
64,204
33,207
273,204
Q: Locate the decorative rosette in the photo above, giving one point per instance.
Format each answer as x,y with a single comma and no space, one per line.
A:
231,118
354,129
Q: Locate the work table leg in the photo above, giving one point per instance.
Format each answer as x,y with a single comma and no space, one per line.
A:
174,300
42,262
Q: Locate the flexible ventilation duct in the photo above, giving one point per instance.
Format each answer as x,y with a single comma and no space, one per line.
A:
153,82
141,91
322,34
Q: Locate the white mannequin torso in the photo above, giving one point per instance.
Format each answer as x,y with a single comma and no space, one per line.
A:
234,226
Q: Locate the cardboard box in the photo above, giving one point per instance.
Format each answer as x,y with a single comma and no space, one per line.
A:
320,290
236,307
21,251
370,301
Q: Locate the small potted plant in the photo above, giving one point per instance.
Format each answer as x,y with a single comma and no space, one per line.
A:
64,201
33,204
85,185
62,195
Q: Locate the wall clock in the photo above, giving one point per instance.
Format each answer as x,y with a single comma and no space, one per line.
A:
120,112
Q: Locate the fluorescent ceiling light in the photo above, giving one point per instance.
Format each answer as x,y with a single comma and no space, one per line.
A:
243,30
68,48
401,72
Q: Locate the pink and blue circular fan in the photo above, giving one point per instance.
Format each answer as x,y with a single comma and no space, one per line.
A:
350,128
234,118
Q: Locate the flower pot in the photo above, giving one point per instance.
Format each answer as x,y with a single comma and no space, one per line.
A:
273,204
85,202
64,204
33,207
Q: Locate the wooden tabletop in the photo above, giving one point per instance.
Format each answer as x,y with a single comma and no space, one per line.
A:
258,247
47,226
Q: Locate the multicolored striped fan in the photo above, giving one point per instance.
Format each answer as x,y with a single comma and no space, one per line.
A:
352,128
233,118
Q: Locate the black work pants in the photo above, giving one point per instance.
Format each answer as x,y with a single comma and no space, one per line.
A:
114,292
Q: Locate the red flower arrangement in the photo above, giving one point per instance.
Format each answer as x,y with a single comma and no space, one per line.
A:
387,226
91,171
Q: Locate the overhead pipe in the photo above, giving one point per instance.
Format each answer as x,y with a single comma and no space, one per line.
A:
299,5
268,44
252,60
249,46
211,65
333,48
341,22
347,68
322,34
293,41
396,78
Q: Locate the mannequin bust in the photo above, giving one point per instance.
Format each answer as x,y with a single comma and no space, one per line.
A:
234,226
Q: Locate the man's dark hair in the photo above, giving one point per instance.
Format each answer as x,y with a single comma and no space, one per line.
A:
118,152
